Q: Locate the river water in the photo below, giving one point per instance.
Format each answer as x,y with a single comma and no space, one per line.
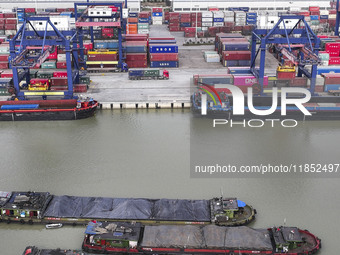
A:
146,153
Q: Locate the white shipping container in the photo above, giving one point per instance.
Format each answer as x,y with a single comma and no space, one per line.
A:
61,57
207,19
228,14
204,28
212,58
240,23
60,22
10,32
207,14
157,22
218,24
6,10
324,12
294,9
207,24
240,14
229,19
143,31
332,16
218,14
157,19
307,19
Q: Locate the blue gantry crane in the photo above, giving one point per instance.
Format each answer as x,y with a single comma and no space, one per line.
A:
84,20
22,58
300,37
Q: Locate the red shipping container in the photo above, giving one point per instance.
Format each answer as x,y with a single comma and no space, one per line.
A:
164,57
29,10
319,88
332,11
137,63
332,46
58,88
314,8
331,22
61,65
306,14
102,57
4,58
286,75
331,78
174,28
299,82
199,24
174,14
9,15
4,65
2,27
61,10
1,15
80,88
334,61
7,74
136,56
11,21
60,74
236,55
114,8
315,13
157,9
58,81
38,80
333,53
10,27
144,15
185,19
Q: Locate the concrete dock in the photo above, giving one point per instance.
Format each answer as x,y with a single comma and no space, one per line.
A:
115,90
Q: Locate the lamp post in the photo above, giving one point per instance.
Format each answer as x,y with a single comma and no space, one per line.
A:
196,7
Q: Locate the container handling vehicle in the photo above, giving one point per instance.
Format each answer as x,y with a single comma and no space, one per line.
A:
148,74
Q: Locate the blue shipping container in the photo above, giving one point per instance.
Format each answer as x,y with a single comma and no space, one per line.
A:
112,45
314,17
328,69
136,72
163,48
133,14
251,19
332,87
244,62
216,80
185,24
230,62
323,16
245,9
218,19
164,64
157,14
143,20
251,14
251,22
100,45
245,70
136,49
233,9
234,47
20,9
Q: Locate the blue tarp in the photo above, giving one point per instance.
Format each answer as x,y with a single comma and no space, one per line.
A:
19,106
241,203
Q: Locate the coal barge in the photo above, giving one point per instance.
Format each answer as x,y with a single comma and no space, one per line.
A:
135,238
29,110
42,207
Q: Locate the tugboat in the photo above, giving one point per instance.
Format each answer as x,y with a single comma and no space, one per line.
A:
128,238
27,110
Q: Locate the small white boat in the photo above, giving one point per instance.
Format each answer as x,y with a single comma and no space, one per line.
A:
54,225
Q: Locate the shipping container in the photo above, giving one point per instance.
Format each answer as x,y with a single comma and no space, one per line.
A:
236,55
248,80
164,57
163,48
169,64
137,63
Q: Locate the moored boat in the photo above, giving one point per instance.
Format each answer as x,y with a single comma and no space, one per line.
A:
132,238
28,110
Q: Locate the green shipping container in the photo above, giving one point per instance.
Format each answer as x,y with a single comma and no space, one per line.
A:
45,74
4,92
4,49
33,73
315,22
151,72
84,80
49,65
143,26
324,56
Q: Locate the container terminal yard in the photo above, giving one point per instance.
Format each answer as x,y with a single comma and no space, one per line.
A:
117,37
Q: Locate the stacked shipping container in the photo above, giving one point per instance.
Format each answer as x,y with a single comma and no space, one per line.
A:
163,52
157,16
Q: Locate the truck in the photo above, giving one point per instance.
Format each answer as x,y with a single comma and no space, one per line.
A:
148,74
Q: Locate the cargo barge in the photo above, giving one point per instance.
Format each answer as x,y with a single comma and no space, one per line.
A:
44,208
130,238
